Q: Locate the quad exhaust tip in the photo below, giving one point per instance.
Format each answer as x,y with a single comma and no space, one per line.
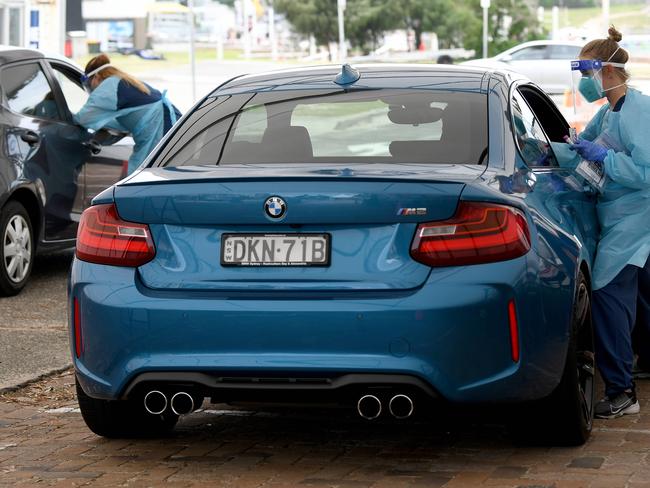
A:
369,407
401,406
182,403
155,402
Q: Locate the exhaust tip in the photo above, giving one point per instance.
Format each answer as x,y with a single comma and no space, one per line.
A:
182,403
401,406
369,407
155,402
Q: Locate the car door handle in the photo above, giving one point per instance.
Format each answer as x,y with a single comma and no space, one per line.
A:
30,137
94,146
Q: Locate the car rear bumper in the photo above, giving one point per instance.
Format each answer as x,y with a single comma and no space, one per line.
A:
452,334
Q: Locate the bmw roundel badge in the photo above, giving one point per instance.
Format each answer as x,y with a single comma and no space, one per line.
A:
275,207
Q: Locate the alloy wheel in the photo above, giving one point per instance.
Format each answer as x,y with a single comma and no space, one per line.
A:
17,248
585,358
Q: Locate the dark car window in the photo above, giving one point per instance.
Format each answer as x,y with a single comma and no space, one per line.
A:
555,126
564,51
400,126
28,92
529,53
74,94
529,135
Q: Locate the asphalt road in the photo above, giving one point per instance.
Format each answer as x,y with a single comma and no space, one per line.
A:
33,338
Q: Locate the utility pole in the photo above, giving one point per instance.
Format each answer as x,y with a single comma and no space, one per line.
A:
272,39
343,52
606,14
190,5
246,37
485,5
62,25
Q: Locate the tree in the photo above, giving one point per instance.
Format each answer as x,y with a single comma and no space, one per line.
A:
312,17
367,20
511,22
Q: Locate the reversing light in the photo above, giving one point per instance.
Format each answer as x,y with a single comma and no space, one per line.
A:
479,233
104,238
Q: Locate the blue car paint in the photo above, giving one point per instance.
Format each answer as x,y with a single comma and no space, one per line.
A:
458,343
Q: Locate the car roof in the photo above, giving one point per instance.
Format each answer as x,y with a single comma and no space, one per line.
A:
378,75
9,54
546,42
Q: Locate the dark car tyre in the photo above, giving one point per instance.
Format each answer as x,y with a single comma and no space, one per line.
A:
122,418
566,416
17,248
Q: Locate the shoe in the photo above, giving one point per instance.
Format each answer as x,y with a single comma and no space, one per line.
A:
622,404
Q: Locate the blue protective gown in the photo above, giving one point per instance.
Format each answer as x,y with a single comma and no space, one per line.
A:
624,206
118,105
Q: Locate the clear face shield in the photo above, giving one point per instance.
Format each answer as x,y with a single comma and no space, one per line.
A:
590,85
586,67
85,78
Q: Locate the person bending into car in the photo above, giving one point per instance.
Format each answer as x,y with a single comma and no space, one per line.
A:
617,139
120,101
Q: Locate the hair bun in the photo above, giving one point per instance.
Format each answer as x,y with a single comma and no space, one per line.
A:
614,35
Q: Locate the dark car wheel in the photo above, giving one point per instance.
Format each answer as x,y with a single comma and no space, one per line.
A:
566,416
17,248
122,418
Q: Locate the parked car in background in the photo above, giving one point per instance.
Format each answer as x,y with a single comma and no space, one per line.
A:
546,63
50,168
385,239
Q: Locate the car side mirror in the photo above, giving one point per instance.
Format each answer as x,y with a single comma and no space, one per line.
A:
506,59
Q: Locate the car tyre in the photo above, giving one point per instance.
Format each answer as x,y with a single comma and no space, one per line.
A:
17,250
122,418
566,416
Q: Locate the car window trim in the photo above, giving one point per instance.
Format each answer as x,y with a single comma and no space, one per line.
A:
515,89
58,91
52,64
5,102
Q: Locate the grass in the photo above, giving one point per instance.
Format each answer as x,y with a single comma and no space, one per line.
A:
135,64
629,19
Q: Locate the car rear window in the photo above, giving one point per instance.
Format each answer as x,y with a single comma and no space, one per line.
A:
401,126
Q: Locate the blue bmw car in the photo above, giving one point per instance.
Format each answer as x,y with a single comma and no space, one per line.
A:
390,238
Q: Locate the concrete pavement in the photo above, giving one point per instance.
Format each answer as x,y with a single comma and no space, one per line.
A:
33,337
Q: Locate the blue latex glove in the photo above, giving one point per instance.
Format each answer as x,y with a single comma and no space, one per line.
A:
589,150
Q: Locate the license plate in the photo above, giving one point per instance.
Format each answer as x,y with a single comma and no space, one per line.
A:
275,249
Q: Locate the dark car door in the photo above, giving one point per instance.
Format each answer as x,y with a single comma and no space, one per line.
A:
53,155
107,164
559,196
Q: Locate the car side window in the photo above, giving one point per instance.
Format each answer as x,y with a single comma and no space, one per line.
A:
28,92
74,94
529,135
529,53
564,51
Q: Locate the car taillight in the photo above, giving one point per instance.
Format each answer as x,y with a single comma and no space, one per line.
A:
478,233
105,238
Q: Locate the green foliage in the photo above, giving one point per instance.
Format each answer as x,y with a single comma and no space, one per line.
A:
367,20
457,23
317,17
511,22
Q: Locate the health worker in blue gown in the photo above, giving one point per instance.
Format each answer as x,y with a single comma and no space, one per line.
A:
617,139
120,101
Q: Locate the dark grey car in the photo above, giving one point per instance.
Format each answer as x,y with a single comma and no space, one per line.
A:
50,168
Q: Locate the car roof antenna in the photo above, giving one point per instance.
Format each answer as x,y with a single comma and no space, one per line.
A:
347,76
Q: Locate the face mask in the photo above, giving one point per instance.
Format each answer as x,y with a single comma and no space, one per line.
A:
591,88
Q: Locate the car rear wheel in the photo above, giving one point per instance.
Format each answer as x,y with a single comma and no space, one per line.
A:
566,416
122,418
17,249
